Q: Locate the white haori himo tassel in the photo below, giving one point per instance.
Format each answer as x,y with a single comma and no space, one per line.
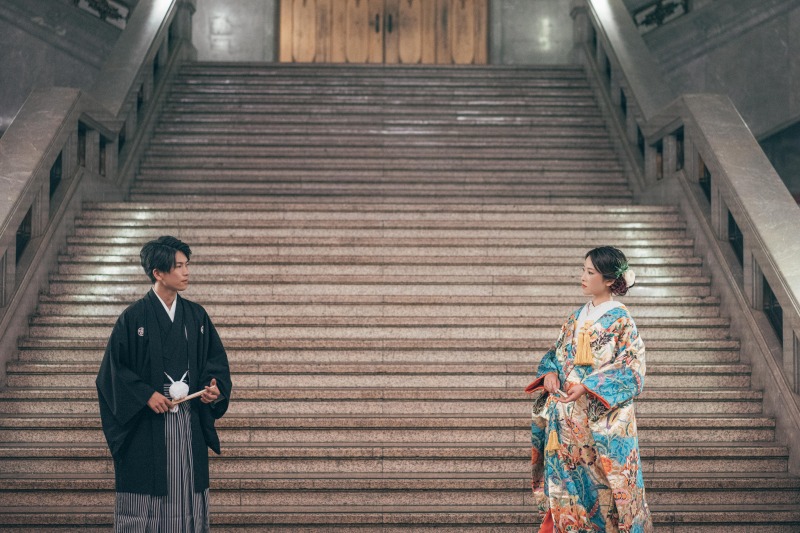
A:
178,389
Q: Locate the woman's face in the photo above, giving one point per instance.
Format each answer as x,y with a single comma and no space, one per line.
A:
592,282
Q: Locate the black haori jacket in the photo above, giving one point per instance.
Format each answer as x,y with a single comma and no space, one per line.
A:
132,369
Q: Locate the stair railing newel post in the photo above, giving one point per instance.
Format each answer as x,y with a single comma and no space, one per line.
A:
182,28
758,275
113,121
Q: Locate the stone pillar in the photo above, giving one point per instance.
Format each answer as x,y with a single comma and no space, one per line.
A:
631,127
93,151
6,276
147,86
650,164
719,211
41,209
792,351
112,160
669,155
752,278
689,157
69,155
581,30
182,28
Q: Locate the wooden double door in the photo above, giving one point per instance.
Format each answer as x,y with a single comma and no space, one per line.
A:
384,31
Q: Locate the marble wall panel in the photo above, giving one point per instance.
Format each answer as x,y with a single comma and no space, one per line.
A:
531,32
245,30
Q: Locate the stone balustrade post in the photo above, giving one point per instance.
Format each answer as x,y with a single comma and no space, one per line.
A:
581,29
182,28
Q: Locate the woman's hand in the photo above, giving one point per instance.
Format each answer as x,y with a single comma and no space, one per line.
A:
551,382
574,392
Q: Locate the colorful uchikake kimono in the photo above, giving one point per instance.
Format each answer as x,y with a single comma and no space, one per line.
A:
587,473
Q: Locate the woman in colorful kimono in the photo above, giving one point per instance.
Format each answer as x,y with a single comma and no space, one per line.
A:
587,473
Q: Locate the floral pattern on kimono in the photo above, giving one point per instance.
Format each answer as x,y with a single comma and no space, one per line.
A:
593,482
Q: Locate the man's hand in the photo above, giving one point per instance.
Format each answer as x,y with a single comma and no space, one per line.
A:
159,403
551,382
211,393
574,392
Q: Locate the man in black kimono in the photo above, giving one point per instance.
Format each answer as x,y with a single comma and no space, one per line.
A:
160,448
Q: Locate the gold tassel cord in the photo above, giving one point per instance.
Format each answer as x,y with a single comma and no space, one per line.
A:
584,356
552,442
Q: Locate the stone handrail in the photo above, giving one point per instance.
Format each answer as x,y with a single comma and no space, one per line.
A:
696,151
66,145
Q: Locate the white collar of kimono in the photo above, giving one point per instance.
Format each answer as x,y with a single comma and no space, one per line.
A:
596,312
170,310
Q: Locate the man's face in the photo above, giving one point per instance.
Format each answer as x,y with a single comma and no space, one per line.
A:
176,279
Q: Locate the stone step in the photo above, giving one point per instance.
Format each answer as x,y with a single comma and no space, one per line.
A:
288,87
547,121
244,199
396,401
399,519
466,490
164,141
235,87
347,72
415,247
554,113
350,177
417,193
589,130
400,375
448,214
400,85
467,209
241,231
372,265
537,325
386,346
487,327
376,286
497,458
551,259
381,101
391,79
389,82
266,355
283,150
419,428
439,279
206,268
473,178
385,176
380,160
543,306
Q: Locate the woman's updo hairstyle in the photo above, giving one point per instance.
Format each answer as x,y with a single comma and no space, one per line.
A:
612,264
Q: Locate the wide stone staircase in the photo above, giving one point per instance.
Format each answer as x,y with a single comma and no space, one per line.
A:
387,252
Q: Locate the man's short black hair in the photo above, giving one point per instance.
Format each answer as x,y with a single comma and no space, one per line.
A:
160,255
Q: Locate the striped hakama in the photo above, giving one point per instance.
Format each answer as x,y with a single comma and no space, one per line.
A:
182,510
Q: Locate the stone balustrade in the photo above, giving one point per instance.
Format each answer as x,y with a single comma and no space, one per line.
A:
696,151
66,146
